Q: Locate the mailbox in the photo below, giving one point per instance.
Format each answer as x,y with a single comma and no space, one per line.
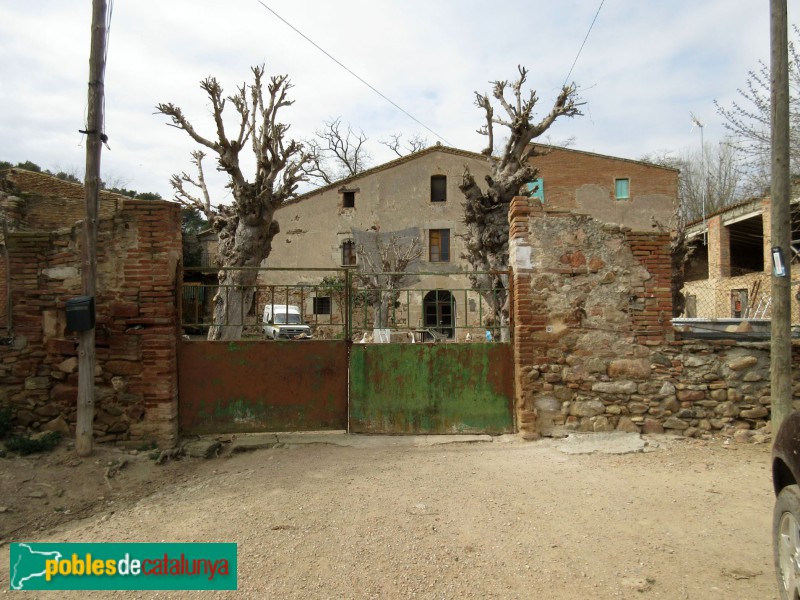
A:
80,313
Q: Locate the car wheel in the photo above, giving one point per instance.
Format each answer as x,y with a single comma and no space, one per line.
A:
275,335
786,541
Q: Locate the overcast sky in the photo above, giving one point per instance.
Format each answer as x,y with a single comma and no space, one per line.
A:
645,66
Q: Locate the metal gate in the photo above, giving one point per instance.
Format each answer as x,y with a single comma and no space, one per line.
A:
436,373
431,388
248,386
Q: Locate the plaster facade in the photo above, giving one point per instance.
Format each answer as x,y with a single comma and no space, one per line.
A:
419,193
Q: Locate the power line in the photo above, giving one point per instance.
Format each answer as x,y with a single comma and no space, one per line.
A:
584,43
373,88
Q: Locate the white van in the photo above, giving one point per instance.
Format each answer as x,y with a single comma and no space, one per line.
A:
284,321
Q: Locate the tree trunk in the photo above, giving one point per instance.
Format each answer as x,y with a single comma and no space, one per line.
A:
486,242
245,240
232,304
381,309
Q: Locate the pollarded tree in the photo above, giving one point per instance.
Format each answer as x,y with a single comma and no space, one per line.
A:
246,226
486,210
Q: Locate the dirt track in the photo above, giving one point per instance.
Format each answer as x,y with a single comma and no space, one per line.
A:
690,519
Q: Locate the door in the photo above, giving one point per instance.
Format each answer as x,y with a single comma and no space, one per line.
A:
439,308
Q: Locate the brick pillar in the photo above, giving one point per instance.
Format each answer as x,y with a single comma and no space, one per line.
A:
523,325
719,249
151,276
653,321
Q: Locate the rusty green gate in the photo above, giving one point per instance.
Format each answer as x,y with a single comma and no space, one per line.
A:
431,388
443,382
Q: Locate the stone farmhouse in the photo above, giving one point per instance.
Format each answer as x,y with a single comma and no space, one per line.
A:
418,195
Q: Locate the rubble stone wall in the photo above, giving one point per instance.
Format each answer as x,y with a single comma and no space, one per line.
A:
594,348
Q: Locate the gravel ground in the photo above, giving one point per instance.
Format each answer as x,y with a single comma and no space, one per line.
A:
684,519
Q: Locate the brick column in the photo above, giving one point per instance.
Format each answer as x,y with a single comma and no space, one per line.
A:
151,277
653,322
523,320
719,249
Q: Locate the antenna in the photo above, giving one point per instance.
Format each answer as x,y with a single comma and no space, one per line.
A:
697,123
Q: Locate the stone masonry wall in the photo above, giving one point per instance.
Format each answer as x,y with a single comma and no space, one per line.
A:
139,254
593,340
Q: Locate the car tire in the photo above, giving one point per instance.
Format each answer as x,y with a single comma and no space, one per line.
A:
786,541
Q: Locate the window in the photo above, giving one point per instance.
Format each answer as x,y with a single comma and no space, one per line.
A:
348,199
439,245
622,189
438,188
536,189
322,305
348,253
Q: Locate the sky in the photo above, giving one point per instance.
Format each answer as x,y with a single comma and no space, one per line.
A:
645,66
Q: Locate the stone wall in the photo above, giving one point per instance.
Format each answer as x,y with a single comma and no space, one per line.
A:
594,349
139,255
684,387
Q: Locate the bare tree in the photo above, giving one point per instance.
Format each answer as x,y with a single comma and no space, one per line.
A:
710,178
749,118
486,211
246,227
336,152
702,193
415,143
383,263
185,197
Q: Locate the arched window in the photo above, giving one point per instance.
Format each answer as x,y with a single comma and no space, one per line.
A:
439,308
348,253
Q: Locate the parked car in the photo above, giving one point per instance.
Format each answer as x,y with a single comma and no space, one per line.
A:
786,515
284,321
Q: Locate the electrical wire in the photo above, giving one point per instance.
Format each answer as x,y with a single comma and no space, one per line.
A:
370,86
566,79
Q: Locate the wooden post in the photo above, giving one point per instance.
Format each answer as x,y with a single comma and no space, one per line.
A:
94,144
781,344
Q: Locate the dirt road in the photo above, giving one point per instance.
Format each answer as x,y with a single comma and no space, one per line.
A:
686,519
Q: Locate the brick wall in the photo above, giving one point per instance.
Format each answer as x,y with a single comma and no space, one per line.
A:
139,254
585,182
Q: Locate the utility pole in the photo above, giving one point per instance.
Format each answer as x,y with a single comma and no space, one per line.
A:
94,144
781,344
